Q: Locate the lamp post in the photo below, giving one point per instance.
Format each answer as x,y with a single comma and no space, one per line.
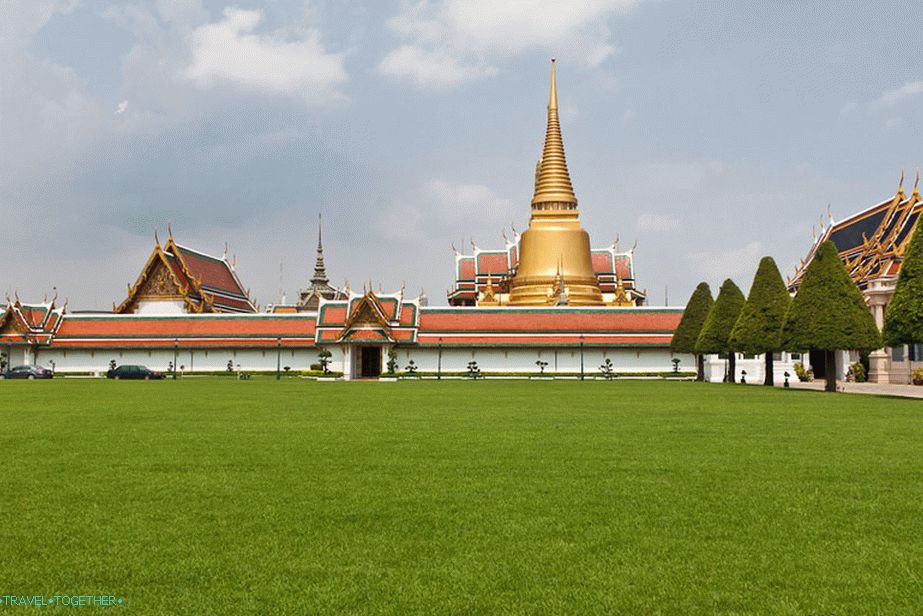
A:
581,357
439,361
278,359
175,352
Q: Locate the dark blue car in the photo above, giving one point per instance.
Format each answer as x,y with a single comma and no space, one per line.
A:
28,372
133,372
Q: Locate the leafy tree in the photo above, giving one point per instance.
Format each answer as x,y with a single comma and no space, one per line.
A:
606,369
687,332
759,327
904,317
541,366
718,325
829,313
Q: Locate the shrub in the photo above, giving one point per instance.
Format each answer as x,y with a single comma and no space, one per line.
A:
802,374
917,376
856,373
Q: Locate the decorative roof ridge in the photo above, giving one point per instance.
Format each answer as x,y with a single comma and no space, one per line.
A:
849,219
200,253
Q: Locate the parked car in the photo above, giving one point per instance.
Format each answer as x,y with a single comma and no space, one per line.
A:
133,372
28,372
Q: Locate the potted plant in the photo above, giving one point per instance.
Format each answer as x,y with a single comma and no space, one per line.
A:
916,376
606,369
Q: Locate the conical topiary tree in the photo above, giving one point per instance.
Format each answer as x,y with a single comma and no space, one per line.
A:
759,327
687,332
904,317
718,325
829,313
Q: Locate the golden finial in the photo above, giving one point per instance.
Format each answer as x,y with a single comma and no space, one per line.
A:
900,185
552,183
156,239
169,231
916,183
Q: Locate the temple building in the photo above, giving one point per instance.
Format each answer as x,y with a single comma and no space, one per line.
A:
319,289
871,244
177,280
551,263
546,302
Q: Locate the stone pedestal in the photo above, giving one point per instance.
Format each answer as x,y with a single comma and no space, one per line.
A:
879,366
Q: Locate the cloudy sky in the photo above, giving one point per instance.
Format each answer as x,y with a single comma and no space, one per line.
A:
710,132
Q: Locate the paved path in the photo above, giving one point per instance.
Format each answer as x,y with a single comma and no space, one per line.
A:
906,391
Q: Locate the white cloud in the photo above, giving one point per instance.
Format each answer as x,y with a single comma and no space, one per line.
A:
682,176
430,67
892,97
465,36
658,223
228,51
441,208
121,107
723,263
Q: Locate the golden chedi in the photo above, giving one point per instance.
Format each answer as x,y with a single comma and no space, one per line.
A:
554,252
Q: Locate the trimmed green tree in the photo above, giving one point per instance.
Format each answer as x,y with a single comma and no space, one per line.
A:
759,326
828,313
904,317
716,331
687,332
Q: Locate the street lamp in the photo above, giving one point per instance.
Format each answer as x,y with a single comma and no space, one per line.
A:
278,359
581,357
175,351
439,361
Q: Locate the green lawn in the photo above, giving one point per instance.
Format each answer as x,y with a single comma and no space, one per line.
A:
218,496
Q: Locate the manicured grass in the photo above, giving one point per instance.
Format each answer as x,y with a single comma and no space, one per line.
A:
216,496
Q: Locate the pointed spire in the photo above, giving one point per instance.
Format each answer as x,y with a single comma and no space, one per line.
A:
552,183
900,185
320,271
916,184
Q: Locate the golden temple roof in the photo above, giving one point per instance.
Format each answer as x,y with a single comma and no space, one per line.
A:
552,181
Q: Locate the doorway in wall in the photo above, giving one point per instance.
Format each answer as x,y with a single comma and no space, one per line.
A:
370,362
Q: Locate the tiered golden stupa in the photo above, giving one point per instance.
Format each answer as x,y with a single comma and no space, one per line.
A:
554,252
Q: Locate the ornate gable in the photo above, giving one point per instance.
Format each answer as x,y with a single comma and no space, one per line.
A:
367,316
11,324
160,279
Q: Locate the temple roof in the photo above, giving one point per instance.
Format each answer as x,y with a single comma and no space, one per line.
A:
871,242
185,331
203,282
29,323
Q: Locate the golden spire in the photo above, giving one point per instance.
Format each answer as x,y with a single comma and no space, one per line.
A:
552,183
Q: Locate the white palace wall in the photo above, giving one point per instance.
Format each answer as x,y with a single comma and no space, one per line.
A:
427,359
196,360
